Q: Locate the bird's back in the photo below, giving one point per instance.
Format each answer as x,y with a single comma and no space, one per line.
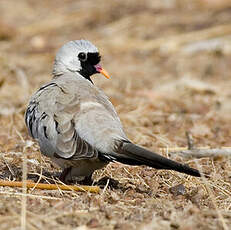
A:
70,105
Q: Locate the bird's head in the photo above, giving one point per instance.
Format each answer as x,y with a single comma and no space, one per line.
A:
78,56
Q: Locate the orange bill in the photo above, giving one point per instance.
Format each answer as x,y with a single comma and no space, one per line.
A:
105,73
99,69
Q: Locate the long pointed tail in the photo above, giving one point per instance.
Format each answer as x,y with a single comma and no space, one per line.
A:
129,153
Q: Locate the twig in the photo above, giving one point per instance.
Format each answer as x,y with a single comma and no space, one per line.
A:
10,194
199,153
108,180
24,186
190,140
93,189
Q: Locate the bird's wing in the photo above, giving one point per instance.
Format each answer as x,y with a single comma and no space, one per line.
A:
50,118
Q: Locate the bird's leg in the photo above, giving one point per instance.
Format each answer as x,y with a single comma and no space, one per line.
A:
67,177
87,180
64,174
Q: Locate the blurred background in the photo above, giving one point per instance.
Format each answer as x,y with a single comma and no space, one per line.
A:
169,62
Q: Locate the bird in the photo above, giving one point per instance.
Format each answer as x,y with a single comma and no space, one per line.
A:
76,125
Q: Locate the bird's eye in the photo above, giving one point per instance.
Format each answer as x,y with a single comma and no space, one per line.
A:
82,56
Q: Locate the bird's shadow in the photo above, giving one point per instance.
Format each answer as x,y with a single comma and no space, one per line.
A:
15,173
12,172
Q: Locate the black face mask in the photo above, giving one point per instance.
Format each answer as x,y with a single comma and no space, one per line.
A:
88,63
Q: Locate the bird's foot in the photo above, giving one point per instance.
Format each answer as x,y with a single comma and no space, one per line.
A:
67,178
86,181
64,175
107,181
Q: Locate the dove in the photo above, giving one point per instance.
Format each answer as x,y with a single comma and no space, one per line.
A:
77,126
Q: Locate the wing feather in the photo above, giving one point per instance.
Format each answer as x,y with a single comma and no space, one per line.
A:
50,120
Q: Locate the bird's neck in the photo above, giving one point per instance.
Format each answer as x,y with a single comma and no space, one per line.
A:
61,71
85,75
73,76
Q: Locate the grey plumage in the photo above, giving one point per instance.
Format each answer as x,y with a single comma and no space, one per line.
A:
77,126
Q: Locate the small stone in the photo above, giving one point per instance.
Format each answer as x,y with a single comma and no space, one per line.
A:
178,190
93,223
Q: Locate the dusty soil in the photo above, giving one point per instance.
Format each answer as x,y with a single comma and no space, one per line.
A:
170,67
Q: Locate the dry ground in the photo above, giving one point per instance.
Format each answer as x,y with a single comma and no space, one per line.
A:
170,67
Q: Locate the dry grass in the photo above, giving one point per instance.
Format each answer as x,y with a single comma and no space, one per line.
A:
170,67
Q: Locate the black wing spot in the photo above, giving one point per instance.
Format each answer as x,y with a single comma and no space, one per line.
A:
63,91
48,85
52,84
30,119
45,131
56,127
43,116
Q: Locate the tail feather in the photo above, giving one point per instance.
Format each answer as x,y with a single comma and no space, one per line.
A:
132,154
